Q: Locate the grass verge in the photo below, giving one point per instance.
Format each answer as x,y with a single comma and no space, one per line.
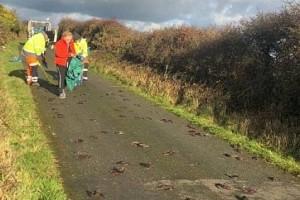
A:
112,70
27,166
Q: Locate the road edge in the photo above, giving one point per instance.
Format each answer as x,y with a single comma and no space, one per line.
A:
33,162
112,71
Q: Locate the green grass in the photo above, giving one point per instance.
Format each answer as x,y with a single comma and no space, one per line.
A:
204,121
34,164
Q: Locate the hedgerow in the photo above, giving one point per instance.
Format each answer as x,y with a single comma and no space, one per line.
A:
9,24
251,72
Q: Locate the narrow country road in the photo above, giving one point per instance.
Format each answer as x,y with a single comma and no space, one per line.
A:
112,144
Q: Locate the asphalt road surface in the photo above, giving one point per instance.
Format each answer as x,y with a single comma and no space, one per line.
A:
112,144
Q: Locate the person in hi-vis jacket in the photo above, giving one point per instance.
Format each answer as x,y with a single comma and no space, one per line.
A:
32,53
81,48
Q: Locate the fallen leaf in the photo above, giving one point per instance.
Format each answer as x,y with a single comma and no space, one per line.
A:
118,170
248,190
227,155
139,144
166,120
137,117
191,127
82,155
194,134
146,165
122,163
233,176
169,153
121,133
233,156
60,116
104,132
78,141
238,157
222,186
271,178
95,193
188,198
166,187
240,197
254,158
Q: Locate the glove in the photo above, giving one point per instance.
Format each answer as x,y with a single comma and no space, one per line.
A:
81,58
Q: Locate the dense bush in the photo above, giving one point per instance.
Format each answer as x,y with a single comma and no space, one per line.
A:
253,68
165,47
8,23
107,35
256,66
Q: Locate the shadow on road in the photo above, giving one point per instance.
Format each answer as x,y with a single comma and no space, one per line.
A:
44,84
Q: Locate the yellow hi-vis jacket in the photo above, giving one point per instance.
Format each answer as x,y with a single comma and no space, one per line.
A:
36,44
81,48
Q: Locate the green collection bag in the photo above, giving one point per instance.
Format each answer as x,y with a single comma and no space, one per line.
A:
74,74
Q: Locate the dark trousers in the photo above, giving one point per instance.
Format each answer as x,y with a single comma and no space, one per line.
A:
35,71
35,76
62,72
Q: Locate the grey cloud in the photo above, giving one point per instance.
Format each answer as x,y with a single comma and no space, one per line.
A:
197,12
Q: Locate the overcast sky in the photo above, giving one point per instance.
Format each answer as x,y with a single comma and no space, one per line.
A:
146,14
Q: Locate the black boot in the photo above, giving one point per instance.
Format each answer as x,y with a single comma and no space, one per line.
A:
35,76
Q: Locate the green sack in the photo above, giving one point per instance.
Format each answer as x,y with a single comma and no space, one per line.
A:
74,74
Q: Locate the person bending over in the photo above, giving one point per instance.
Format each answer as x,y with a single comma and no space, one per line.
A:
32,53
64,50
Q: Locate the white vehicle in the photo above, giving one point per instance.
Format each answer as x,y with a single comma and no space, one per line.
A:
35,27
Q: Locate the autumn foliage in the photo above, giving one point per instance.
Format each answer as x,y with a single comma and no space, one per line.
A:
248,75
